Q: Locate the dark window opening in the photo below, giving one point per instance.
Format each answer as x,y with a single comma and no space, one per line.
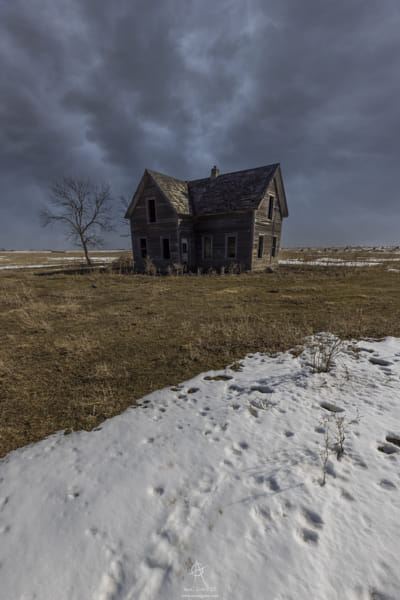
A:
271,207
207,247
184,247
231,246
143,247
151,205
274,245
165,248
260,246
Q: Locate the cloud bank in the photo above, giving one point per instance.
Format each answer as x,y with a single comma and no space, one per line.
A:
104,90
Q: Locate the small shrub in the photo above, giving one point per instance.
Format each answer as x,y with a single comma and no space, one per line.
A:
122,264
150,268
233,269
324,349
179,268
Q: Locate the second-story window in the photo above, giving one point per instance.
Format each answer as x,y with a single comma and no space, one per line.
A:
151,211
271,207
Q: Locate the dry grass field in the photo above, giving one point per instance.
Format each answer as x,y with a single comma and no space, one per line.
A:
79,348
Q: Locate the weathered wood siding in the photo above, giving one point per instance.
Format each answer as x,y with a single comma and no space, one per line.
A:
268,228
185,235
219,226
165,226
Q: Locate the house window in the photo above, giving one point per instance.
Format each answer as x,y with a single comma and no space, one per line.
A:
143,247
260,246
165,249
270,207
151,211
231,246
274,245
207,246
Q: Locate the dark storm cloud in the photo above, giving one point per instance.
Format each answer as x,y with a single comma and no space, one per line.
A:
106,89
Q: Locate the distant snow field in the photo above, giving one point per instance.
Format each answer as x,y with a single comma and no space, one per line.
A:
337,262
213,489
13,259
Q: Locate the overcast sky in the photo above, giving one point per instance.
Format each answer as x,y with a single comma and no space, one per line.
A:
103,90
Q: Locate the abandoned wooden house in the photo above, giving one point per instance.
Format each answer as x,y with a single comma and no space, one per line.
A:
220,221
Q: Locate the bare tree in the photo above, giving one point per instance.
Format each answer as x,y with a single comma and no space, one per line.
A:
82,208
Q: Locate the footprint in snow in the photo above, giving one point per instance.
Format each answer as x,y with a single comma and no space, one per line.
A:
393,439
331,407
113,577
273,484
312,518
3,502
376,595
345,494
375,360
308,536
262,515
237,448
387,449
5,529
157,491
111,581
387,484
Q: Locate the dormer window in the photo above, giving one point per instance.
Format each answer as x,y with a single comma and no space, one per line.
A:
271,208
151,211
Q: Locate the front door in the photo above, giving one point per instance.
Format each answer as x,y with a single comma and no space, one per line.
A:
184,250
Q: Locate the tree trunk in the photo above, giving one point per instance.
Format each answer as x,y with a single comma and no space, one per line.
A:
84,245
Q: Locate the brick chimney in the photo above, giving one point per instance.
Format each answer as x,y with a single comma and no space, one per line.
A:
214,172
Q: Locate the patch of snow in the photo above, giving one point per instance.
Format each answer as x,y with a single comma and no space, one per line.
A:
326,262
31,266
213,489
106,259
82,260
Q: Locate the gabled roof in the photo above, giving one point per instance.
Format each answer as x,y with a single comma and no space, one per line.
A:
229,192
175,190
241,190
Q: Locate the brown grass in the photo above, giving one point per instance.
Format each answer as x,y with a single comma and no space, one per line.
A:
77,349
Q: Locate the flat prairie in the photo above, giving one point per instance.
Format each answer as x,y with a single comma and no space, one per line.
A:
78,347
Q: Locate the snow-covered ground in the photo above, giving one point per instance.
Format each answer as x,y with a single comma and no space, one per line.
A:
69,259
213,490
339,262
